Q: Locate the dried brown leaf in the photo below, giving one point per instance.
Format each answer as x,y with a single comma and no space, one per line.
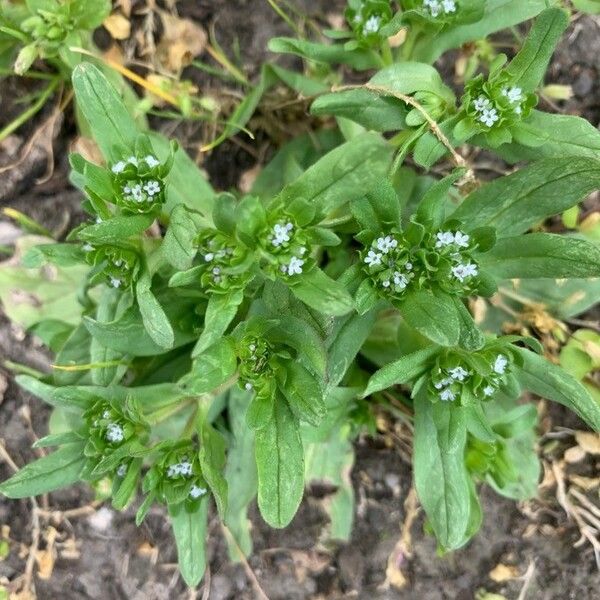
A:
588,441
118,26
501,573
182,41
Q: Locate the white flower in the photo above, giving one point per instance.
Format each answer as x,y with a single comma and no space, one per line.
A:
443,383
447,395
462,272
458,373
385,244
294,267
152,187
489,116
281,234
386,283
373,258
408,266
461,239
114,433
400,280
151,161
500,364
122,471
87,247
444,238
434,6
196,491
481,103
449,6
208,257
372,25
134,193
183,468
106,414
248,387
216,271
514,94
115,281
488,390
118,167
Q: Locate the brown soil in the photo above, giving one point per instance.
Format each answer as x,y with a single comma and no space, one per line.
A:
103,556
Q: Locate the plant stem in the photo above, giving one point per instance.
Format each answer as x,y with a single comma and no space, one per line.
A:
386,54
30,112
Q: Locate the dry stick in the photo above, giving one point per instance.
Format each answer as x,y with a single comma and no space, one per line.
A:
527,579
247,568
435,128
35,524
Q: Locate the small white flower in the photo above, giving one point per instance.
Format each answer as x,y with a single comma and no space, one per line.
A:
500,364
248,387
372,25
400,280
387,243
449,6
216,271
151,161
252,347
514,94
373,258
481,103
444,238
196,491
461,239
87,247
489,116
122,471
462,272
408,266
115,281
303,250
106,414
386,283
434,6
118,167
152,187
294,267
443,383
183,468
447,395
208,257
114,433
488,390
281,234
458,373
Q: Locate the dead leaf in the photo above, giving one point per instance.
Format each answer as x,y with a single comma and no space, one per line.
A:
248,178
574,454
118,26
585,483
398,39
588,441
502,573
46,558
182,41
88,149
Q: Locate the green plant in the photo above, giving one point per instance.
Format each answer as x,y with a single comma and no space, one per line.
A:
228,346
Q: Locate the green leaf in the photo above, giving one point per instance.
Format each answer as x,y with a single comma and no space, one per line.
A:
155,320
109,120
549,381
471,337
212,462
62,255
280,464
402,370
434,315
220,312
515,203
432,208
341,175
189,529
303,393
538,255
72,398
358,58
322,293
528,67
365,107
178,245
441,478
57,470
240,473
115,230
211,369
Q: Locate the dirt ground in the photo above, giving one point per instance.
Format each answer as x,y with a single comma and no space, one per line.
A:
522,552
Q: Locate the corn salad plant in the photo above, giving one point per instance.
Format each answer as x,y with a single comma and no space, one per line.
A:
226,346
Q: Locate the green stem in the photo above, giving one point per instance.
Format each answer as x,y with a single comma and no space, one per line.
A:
409,44
30,112
386,53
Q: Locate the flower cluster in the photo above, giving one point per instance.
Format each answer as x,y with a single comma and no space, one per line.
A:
176,476
496,102
442,259
255,370
139,183
223,260
457,378
117,266
287,247
435,8
367,18
389,264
